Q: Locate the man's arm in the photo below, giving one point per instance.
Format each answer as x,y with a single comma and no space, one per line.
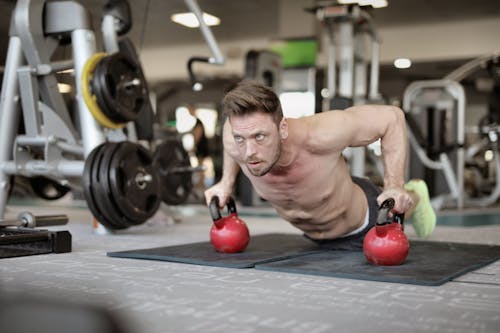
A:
361,125
390,126
230,170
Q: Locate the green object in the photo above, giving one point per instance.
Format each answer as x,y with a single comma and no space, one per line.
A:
423,218
297,52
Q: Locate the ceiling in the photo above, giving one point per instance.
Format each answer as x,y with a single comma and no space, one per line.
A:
246,19
243,19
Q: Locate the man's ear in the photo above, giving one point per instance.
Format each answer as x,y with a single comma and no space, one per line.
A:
283,129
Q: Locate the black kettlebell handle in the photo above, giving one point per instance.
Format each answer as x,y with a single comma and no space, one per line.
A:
383,213
214,208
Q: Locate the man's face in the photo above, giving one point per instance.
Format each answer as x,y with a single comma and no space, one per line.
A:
258,141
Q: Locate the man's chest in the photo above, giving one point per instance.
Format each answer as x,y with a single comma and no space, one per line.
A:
306,181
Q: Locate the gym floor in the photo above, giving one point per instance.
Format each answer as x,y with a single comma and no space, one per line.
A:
155,296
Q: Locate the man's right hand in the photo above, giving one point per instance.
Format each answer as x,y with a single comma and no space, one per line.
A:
218,190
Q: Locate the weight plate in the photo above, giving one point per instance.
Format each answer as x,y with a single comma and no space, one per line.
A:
97,83
89,187
48,189
102,192
123,216
89,98
175,186
122,87
134,182
99,192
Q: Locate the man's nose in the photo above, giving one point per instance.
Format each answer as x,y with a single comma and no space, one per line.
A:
251,148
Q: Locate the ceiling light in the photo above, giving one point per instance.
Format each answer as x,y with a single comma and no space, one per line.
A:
190,20
402,63
347,2
379,3
373,3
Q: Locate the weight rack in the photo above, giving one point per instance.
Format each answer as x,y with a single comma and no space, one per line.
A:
57,144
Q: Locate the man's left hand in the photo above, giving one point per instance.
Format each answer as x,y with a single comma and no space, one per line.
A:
403,200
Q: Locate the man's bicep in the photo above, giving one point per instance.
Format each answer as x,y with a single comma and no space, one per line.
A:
368,123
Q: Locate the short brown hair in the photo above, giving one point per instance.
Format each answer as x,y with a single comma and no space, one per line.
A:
250,96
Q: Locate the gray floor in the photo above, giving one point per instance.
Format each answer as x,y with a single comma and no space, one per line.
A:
163,297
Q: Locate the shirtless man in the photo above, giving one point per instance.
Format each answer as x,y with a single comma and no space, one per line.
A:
298,167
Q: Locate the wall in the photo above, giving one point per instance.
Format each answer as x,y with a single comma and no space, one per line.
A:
438,41
452,40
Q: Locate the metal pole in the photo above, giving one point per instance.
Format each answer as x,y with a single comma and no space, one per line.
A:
83,48
331,73
217,58
374,71
109,34
346,59
9,113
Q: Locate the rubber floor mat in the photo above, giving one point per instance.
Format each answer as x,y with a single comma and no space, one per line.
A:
261,249
428,263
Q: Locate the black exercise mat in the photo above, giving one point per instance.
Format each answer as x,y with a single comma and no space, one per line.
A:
428,263
261,249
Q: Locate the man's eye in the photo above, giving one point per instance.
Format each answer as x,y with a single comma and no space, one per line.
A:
259,137
238,139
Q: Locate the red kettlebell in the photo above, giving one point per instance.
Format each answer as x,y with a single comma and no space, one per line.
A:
228,234
386,243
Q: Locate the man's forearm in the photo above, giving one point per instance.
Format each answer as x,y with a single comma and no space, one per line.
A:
230,170
394,151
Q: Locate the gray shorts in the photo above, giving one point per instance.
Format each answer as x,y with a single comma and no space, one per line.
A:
355,241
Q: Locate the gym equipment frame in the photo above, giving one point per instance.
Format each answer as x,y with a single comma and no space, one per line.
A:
56,143
448,94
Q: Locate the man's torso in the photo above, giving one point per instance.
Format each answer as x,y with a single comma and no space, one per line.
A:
316,195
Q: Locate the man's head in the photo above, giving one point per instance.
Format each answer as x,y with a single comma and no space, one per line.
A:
251,96
257,124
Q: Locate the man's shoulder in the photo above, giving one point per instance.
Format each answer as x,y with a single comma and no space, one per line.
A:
318,133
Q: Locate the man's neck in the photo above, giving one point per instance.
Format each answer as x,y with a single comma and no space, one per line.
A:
286,160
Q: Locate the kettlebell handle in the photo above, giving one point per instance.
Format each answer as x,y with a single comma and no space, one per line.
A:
383,213
214,208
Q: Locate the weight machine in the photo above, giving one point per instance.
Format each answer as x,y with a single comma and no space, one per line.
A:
440,144
94,149
349,30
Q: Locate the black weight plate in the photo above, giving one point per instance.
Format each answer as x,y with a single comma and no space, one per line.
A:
105,102
110,201
103,193
88,188
48,189
99,191
134,198
97,84
131,97
125,100
175,186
